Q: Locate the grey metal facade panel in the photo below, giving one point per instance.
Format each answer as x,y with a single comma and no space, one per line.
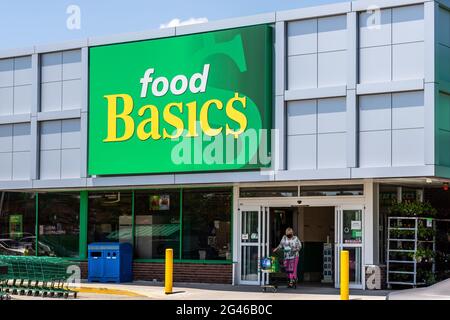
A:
352,129
57,184
363,5
133,36
393,172
18,118
16,185
316,93
279,146
69,45
314,12
34,155
320,174
280,58
84,79
59,115
344,90
83,145
16,52
392,86
168,179
226,24
222,177
352,48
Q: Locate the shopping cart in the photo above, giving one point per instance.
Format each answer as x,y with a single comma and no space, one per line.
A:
36,276
3,277
269,265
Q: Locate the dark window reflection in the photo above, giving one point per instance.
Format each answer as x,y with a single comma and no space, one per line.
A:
332,191
17,223
110,217
157,223
59,225
207,224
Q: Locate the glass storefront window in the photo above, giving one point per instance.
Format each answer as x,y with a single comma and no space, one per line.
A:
157,223
110,218
331,191
17,223
207,224
59,225
291,191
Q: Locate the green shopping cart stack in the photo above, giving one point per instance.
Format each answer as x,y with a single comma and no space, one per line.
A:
3,278
37,276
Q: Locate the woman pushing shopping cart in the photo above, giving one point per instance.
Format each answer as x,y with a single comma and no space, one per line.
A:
291,246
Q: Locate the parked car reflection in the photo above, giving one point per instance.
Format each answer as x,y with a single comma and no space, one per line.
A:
11,247
25,246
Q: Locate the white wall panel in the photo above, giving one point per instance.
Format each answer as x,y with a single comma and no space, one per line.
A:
374,30
302,152
375,112
6,72
332,33
6,101
332,115
302,71
332,68
51,96
375,149
23,98
408,147
408,110
302,37
408,24
51,69
5,166
408,61
21,166
22,71
332,150
375,64
302,117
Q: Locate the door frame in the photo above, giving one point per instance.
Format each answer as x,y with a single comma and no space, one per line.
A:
339,245
262,244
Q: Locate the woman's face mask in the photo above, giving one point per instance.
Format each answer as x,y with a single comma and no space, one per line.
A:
289,235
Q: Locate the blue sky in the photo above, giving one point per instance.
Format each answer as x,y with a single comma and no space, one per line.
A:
28,22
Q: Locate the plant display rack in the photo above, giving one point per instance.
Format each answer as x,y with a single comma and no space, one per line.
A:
411,246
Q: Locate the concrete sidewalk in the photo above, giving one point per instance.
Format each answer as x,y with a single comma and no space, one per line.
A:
191,291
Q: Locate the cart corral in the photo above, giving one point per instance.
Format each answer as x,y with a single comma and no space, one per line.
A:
36,276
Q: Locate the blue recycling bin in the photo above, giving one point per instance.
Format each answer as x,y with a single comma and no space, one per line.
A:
110,262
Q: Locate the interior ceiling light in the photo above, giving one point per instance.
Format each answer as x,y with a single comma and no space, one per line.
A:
428,180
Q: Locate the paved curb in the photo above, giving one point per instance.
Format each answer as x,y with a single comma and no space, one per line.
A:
107,291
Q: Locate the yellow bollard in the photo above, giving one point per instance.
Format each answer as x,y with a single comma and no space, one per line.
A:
168,281
345,266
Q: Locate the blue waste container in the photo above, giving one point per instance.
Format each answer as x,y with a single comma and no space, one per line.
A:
110,262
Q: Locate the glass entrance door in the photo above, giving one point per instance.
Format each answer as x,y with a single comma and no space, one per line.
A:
349,236
253,243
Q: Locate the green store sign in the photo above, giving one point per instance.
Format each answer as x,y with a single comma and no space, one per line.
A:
199,102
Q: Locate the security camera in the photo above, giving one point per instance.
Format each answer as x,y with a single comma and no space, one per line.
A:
299,201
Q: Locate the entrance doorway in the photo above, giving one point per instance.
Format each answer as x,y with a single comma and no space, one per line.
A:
317,233
323,230
315,228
